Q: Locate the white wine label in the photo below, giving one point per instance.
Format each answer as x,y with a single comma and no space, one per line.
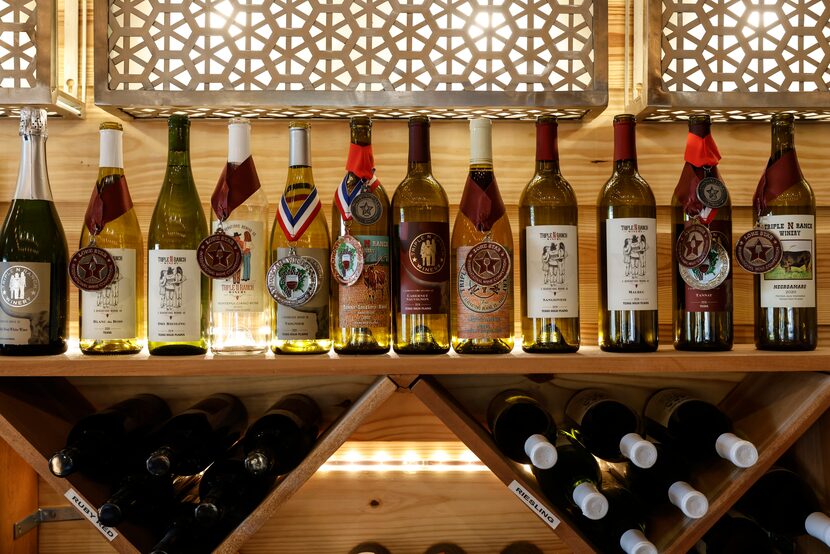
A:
174,296
631,263
538,508
583,401
89,512
244,290
663,403
311,320
109,313
552,269
482,311
792,283
24,302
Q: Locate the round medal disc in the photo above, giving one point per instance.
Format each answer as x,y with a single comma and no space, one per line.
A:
758,250
91,268
712,193
293,280
693,245
487,263
347,260
712,272
219,256
366,208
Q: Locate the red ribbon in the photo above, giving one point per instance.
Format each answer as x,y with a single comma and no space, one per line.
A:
110,200
482,206
236,184
701,151
361,161
777,178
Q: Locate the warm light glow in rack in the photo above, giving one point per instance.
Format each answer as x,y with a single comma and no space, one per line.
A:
380,457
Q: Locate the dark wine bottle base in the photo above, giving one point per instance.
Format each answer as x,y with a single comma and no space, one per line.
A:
50,349
368,349
787,346
178,350
550,348
422,349
702,347
628,347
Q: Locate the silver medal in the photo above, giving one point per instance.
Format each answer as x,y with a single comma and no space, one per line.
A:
293,280
712,272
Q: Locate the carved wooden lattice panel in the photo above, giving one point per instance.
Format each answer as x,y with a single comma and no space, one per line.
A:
18,22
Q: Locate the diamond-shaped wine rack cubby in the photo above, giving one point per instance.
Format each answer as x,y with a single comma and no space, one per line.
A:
734,59
334,59
31,71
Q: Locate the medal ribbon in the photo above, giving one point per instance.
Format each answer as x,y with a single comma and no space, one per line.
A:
361,162
236,184
110,200
777,178
294,225
701,151
482,207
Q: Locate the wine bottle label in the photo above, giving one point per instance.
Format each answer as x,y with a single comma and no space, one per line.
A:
91,513
243,291
24,302
482,312
310,321
366,303
544,513
663,403
109,313
424,267
718,299
792,283
552,269
583,401
174,296
631,263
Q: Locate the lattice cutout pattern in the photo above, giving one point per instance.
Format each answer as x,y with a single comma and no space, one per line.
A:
359,45
746,45
18,22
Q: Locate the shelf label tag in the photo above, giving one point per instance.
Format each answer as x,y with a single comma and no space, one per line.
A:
90,513
540,509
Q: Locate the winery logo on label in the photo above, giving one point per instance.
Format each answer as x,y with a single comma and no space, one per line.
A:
170,287
487,263
479,298
712,193
19,286
366,208
347,260
219,256
693,245
553,262
758,250
293,280
634,253
92,268
428,253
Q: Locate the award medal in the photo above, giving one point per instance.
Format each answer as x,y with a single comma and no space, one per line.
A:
487,263
91,268
712,272
758,250
347,260
712,193
219,256
693,244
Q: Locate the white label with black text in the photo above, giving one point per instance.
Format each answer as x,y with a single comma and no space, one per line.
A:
792,283
89,512
552,265
631,263
540,509
109,313
174,296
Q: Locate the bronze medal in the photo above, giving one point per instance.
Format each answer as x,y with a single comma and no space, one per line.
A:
366,209
712,193
487,263
758,250
693,245
219,255
712,272
293,280
91,268
347,260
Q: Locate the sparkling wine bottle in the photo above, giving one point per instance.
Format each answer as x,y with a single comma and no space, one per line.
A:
361,312
421,240
178,294
608,428
695,427
702,295
300,253
522,428
34,296
482,246
239,314
112,319
785,297
627,254
550,262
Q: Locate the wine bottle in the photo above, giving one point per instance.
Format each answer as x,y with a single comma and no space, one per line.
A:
608,428
144,499
695,427
482,246
623,528
99,444
421,219
239,315
300,257
735,535
522,428
627,254
574,480
548,238
702,295
34,296
190,441
112,319
278,441
668,479
184,535
785,297
361,316
784,504
178,294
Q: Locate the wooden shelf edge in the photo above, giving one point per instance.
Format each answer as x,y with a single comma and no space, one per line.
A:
380,391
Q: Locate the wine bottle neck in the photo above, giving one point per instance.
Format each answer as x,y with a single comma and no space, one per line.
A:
481,144
33,177
239,142
625,147
783,139
178,153
547,147
420,159
299,147
112,152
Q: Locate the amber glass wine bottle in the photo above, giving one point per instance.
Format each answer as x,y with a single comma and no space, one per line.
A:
627,253
785,297
361,310
112,319
300,246
703,312
178,294
421,239
482,246
550,261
